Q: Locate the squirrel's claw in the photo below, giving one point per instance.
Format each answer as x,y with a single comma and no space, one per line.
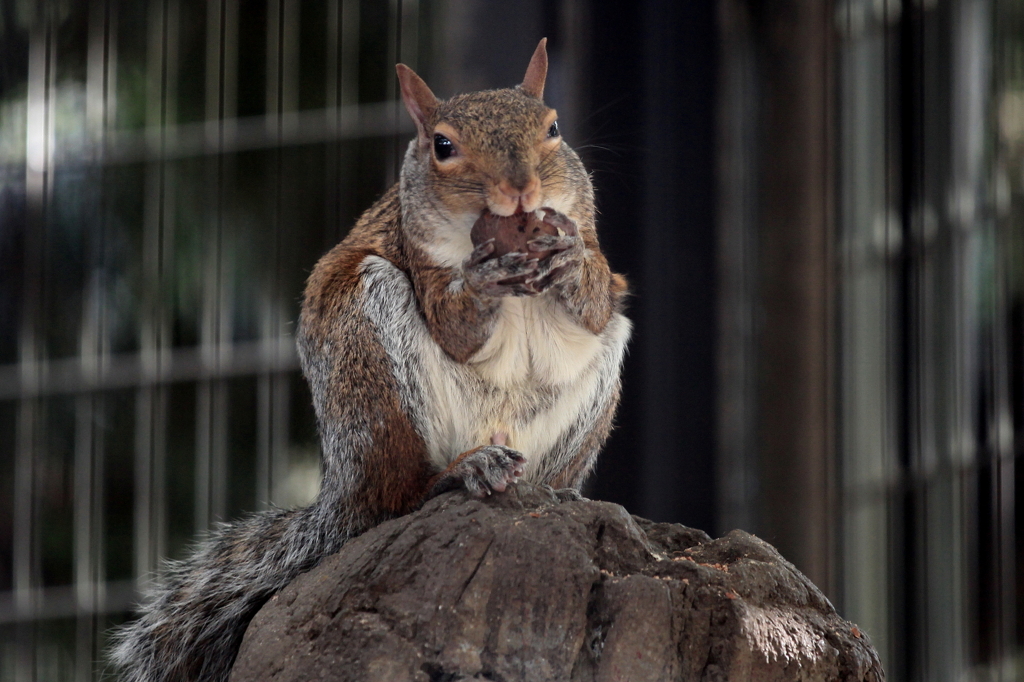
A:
567,256
553,242
502,276
487,469
480,253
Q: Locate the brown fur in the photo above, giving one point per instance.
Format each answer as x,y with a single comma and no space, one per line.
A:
509,147
395,472
405,266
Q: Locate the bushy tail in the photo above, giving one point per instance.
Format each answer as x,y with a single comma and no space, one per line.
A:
192,625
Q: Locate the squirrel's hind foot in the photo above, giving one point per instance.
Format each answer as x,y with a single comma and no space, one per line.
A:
481,471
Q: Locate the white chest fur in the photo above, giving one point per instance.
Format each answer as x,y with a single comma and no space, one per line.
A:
535,341
540,379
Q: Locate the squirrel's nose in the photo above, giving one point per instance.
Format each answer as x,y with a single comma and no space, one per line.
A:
523,195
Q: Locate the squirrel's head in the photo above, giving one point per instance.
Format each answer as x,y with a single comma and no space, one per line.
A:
496,149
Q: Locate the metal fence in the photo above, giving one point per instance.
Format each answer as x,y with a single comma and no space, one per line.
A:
872,156
929,162
169,172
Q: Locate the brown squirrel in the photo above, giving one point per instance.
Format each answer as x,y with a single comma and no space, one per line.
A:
433,363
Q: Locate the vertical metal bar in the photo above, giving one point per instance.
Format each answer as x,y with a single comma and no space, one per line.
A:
170,109
349,52
894,388
674,340
227,97
168,218
795,425
210,447
93,337
1009,570
25,522
203,490
158,233
211,474
736,373
88,475
219,456
91,595
35,169
51,105
161,114
263,444
272,414
108,120
152,262
280,461
289,97
38,172
407,47
36,151
95,75
149,333
1001,368
908,612
98,551
89,493
84,533
282,106
341,92
332,104
143,522
228,112
150,488
392,153
214,70
574,29
409,33
268,321
158,538
956,328
110,63
273,93
282,95
229,70
332,69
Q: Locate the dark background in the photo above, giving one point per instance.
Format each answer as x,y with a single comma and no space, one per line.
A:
819,207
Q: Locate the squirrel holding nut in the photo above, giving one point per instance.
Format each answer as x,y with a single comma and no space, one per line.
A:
467,333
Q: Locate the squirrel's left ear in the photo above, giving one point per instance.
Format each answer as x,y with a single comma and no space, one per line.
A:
537,71
418,98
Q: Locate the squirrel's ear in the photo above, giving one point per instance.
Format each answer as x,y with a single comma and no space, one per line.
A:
537,71
418,98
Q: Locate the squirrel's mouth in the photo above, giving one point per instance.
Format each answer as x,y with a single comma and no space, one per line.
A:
540,211
514,233
507,202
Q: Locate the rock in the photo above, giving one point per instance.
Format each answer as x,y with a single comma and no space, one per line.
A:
530,585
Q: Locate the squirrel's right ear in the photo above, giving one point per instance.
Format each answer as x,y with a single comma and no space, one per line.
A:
537,72
418,98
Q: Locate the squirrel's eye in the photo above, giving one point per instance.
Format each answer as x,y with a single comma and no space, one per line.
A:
553,130
443,147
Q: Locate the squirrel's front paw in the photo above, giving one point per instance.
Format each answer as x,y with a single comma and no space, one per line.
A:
480,471
505,275
568,251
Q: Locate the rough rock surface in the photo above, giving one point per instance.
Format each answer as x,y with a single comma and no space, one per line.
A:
527,586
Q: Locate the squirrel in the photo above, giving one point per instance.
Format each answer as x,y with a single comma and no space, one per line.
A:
433,363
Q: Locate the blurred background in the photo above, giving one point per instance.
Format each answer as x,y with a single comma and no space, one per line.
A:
820,205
